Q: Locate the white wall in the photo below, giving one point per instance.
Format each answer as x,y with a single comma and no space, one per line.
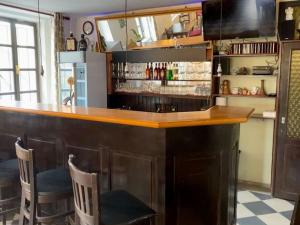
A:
256,139
75,25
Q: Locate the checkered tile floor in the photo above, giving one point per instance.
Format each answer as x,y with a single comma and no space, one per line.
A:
253,208
258,208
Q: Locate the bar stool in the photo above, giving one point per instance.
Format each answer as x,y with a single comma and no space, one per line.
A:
111,208
46,187
9,182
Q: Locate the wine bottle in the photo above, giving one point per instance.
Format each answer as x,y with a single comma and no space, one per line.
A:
82,45
175,71
170,72
147,72
126,71
151,72
156,72
165,69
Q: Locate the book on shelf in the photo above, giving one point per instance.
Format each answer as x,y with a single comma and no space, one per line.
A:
254,48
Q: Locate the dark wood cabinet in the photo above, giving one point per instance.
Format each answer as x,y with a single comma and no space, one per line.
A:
286,163
187,175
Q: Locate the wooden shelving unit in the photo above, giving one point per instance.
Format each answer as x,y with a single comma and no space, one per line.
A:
260,116
247,76
244,96
171,43
247,55
141,79
165,95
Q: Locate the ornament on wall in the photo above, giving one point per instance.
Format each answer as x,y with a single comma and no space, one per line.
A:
88,27
289,13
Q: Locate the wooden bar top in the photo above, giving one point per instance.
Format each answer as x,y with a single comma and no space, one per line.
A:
216,115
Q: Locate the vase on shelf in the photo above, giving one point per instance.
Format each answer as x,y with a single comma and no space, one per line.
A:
262,88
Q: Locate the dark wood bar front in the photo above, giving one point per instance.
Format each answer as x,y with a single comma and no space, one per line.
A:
183,165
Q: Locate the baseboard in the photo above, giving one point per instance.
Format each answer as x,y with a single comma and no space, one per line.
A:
255,186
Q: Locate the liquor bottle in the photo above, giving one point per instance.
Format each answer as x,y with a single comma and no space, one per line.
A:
151,72
114,70
170,72
160,72
126,71
82,44
71,43
165,70
155,72
120,70
175,71
148,72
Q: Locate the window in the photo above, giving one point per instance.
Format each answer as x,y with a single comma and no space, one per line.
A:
146,28
18,61
105,31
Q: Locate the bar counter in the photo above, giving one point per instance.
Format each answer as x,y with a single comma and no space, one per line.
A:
183,165
213,116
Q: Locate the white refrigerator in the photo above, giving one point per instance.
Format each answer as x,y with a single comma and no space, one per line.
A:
88,70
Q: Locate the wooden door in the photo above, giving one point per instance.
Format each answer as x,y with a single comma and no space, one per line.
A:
286,173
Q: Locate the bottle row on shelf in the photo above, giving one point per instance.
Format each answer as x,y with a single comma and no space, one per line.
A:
254,48
163,71
202,88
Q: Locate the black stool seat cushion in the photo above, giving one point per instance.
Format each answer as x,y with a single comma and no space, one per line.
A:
120,207
9,172
55,181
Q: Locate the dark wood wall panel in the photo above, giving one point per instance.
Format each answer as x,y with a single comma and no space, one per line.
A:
193,54
46,154
128,170
7,150
291,159
198,185
149,103
207,169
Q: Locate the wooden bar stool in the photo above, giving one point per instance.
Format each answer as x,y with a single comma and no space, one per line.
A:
46,187
9,187
111,208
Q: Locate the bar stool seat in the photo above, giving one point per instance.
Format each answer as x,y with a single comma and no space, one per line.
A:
10,164
9,172
54,182
9,181
110,208
7,177
119,207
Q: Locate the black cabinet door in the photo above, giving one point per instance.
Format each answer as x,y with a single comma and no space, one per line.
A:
286,173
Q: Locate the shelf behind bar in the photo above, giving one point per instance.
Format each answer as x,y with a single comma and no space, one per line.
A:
246,76
189,54
260,116
244,96
115,78
247,55
163,95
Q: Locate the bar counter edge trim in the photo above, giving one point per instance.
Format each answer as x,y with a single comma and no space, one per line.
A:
132,122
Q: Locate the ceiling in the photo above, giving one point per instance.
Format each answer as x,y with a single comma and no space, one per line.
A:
94,6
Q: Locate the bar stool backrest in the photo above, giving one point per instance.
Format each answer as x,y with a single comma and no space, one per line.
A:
26,162
86,194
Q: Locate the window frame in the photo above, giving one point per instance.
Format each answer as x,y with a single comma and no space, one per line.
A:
14,46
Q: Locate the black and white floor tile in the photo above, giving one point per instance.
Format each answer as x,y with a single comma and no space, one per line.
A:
258,208
253,208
